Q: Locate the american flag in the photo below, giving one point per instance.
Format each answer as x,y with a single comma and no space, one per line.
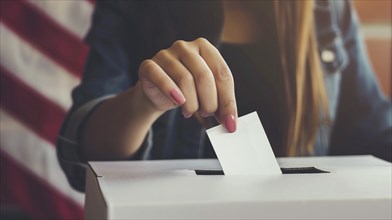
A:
42,54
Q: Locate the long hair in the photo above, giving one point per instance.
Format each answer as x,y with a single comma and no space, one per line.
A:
306,100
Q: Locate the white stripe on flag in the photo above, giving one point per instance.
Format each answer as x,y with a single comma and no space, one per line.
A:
35,154
35,69
73,15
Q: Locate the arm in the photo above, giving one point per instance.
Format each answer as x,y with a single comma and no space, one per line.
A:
118,127
105,76
112,122
364,117
191,74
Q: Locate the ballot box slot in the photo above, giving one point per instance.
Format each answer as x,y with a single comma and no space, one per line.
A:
209,172
301,170
289,170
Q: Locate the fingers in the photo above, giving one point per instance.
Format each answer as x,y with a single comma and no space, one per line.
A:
204,81
183,79
159,86
194,75
227,112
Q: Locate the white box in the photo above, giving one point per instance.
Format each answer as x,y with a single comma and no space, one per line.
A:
357,187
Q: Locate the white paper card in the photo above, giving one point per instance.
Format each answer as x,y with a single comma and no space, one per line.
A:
246,151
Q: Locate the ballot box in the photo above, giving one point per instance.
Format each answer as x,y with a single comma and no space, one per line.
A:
345,187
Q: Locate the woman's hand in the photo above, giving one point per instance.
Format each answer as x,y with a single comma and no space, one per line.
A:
192,75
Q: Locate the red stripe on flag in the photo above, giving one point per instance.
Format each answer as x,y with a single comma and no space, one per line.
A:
45,34
31,108
33,195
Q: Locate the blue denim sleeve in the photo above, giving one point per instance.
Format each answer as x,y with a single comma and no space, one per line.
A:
107,73
364,118
108,64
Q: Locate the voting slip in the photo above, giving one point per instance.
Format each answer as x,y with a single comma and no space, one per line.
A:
246,151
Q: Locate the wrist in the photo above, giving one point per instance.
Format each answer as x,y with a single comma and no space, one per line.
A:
143,103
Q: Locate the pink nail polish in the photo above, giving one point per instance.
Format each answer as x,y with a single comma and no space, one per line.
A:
230,123
177,97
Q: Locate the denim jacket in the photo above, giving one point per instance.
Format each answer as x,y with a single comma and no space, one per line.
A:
361,116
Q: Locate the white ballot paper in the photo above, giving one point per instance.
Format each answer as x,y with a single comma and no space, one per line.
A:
246,151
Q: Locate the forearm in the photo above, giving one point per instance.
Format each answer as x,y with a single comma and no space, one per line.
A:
118,127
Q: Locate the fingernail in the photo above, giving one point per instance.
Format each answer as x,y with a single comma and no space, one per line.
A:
177,97
205,115
230,123
187,115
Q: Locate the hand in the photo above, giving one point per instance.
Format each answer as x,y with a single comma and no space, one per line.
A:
192,75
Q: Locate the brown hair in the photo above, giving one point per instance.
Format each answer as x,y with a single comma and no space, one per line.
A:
304,85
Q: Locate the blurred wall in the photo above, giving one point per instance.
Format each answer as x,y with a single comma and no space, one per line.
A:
375,16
